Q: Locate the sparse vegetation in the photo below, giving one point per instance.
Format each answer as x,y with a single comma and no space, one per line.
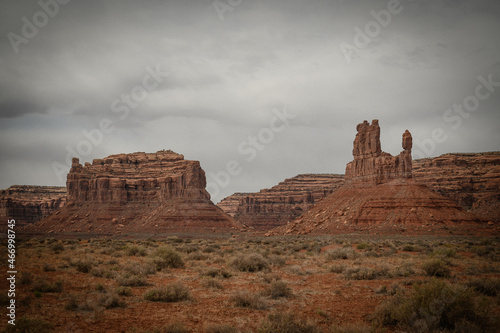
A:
167,257
343,253
174,292
252,262
437,305
278,289
246,299
280,322
257,280
436,267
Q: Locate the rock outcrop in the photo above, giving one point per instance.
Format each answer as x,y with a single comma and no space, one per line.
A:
28,204
472,180
380,196
282,203
373,166
137,194
231,204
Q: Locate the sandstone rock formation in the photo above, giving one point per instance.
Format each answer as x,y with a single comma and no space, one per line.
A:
231,204
29,204
373,166
137,194
472,180
380,196
282,203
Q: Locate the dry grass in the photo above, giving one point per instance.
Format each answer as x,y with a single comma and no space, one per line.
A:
334,281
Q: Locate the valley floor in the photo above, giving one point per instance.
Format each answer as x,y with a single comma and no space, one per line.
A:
288,284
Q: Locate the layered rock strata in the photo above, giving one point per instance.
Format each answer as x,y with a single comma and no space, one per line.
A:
29,204
381,196
373,166
137,194
282,203
472,180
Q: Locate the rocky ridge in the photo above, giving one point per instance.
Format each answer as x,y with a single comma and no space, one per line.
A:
282,203
28,204
380,196
471,180
138,193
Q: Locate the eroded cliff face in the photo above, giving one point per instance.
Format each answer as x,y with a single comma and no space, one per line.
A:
28,204
373,166
472,180
231,204
282,203
137,177
137,194
380,196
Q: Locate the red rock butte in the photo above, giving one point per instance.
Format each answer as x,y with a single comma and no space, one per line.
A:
373,166
380,196
143,194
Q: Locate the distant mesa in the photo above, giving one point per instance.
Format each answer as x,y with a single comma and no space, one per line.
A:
380,196
282,203
28,204
137,194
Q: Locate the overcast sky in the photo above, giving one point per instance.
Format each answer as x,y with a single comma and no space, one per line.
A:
208,79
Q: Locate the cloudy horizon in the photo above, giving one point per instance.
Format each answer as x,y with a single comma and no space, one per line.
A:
273,87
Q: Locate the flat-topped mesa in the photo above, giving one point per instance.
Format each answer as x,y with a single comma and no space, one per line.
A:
137,177
137,194
28,204
373,166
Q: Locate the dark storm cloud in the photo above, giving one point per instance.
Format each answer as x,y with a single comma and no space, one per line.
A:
225,78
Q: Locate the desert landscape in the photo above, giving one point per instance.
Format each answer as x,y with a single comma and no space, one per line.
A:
135,244
250,166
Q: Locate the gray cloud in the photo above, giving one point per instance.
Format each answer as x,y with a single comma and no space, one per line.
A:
226,77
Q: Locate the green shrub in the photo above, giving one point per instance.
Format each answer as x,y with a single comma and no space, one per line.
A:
278,289
444,252
167,257
44,287
362,246
197,256
252,262
124,291
436,267
141,269
437,305
245,299
217,272
135,250
82,266
277,261
280,322
489,287
341,253
57,247
338,268
103,272
360,273
174,292
130,280
110,301
212,283
409,248
30,325
25,278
